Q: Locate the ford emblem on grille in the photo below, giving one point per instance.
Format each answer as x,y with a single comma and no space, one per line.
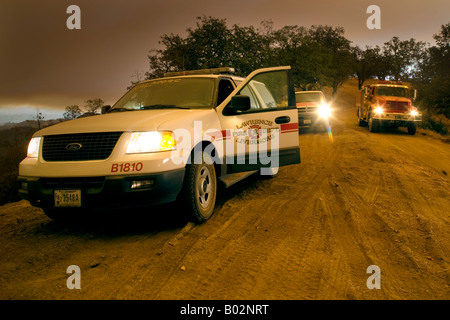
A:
74,146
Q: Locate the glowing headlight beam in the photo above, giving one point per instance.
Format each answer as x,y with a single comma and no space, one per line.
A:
33,147
152,141
379,110
324,110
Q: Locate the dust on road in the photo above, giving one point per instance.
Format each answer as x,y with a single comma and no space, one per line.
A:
361,199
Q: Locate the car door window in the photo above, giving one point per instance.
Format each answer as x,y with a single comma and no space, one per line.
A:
267,91
247,91
268,100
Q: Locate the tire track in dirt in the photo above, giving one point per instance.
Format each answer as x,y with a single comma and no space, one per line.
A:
238,262
378,237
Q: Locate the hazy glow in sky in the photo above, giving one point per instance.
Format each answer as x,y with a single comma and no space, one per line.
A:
43,63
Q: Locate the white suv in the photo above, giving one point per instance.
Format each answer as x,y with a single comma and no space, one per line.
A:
166,139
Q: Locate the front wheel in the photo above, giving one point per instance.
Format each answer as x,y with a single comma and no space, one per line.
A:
200,188
361,122
412,129
373,124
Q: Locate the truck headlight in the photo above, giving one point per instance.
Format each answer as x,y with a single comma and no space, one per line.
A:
324,110
379,110
414,113
151,141
33,147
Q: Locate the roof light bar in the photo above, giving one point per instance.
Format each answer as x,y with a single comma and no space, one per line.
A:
202,71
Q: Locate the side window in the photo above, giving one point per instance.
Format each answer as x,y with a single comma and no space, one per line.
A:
267,99
225,88
266,90
270,89
246,91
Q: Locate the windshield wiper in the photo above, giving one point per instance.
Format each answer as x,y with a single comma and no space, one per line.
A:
162,106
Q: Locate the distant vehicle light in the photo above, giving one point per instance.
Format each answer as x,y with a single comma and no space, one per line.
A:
324,110
414,113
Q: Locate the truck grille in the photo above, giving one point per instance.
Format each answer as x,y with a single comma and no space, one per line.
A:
307,109
396,106
79,147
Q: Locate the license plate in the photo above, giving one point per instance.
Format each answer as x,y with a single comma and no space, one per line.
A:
306,121
67,198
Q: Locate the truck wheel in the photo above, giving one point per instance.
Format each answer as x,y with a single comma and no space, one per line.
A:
412,129
361,122
200,187
373,124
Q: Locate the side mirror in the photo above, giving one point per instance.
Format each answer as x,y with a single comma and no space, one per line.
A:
105,109
239,103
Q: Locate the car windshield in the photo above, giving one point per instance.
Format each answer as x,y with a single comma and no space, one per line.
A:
182,93
307,97
393,92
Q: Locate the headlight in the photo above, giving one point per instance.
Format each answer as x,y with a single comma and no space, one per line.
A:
152,141
379,110
414,113
324,110
33,147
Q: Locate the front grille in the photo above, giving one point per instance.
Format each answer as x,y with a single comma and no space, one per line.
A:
73,183
85,146
396,106
307,109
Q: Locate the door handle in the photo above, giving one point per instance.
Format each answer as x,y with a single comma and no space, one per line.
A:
283,119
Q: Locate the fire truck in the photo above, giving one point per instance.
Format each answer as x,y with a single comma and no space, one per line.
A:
387,104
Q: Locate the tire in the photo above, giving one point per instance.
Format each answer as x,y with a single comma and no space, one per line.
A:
373,124
361,122
199,191
412,129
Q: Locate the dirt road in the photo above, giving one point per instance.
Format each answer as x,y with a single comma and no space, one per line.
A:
356,200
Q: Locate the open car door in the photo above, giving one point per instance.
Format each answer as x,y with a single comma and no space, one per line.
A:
260,119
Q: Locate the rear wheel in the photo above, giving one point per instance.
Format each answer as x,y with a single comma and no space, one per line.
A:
200,187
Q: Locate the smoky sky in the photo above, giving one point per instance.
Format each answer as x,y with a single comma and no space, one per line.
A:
44,63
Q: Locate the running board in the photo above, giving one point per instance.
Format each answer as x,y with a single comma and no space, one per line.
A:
232,178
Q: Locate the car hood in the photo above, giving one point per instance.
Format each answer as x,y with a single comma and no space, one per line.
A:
142,120
382,99
307,104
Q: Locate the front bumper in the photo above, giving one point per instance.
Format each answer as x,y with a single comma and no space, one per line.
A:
305,119
106,192
398,117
